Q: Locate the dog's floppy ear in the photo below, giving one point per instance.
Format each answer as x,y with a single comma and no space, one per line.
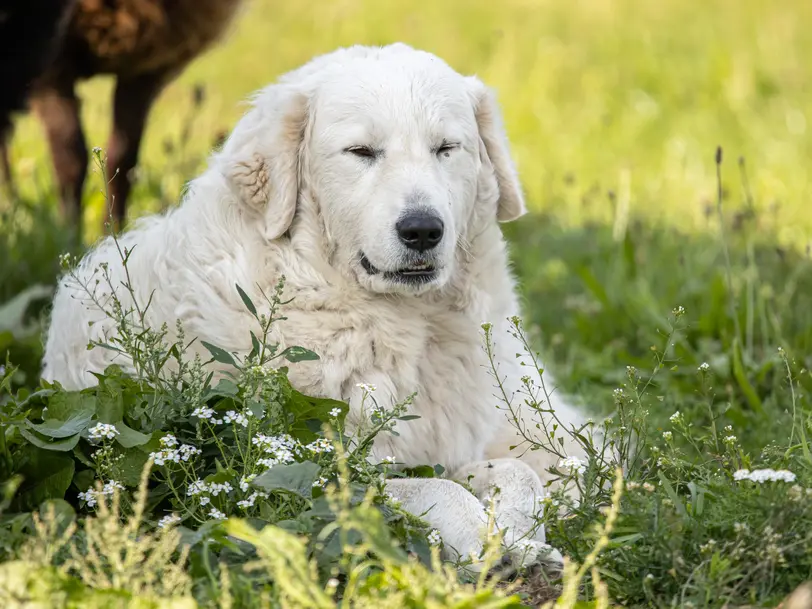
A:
496,152
261,158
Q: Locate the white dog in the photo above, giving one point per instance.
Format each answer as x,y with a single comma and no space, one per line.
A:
373,179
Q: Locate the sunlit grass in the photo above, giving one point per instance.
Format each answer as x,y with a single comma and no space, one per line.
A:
604,95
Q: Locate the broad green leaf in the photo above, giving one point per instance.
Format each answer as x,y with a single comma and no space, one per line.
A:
55,428
219,355
129,465
110,403
296,478
128,437
63,445
63,405
46,475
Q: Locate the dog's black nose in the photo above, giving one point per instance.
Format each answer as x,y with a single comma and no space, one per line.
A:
420,231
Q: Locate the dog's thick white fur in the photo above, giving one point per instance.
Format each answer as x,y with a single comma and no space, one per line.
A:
313,184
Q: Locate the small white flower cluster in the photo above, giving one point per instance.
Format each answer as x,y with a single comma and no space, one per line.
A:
320,482
366,387
388,460
704,367
667,436
248,503
101,431
434,537
730,439
676,417
322,445
574,464
618,393
764,475
172,452
231,416
646,486
168,520
335,412
91,496
282,449
679,311
203,412
216,514
206,489
245,481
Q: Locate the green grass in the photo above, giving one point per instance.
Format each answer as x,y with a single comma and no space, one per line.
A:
615,110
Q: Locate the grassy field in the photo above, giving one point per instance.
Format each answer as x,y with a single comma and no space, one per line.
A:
615,109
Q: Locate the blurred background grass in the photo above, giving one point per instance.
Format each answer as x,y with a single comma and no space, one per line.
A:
621,95
614,109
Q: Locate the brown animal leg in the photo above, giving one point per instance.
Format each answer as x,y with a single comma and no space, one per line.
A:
133,100
58,108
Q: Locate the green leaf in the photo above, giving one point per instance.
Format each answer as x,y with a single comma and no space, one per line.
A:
46,475
672,494
306,408
298,354
741,378
64,445
420,471
128,437
55,428
110,403
296,478
247,301
62,405
219,355
128,466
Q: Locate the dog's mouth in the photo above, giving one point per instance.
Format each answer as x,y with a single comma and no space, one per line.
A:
417,273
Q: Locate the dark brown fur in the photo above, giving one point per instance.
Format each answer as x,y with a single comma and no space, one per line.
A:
145,44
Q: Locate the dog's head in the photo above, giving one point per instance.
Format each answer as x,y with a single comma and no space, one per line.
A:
398,154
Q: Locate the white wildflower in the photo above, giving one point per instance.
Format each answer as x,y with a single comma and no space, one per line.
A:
676,417
648,487
103,430
335,412
388,460
281,449
760,476
233,416
89,496
366,387
667,436
679,311
730,439
322,445
203,412
434,537
169,441
168,520
704,367
245,482
574,464
320,482
216,514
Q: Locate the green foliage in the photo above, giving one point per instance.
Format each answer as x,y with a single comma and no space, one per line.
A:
613,110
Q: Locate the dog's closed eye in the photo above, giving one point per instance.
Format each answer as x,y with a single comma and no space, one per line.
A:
364,152
445,148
